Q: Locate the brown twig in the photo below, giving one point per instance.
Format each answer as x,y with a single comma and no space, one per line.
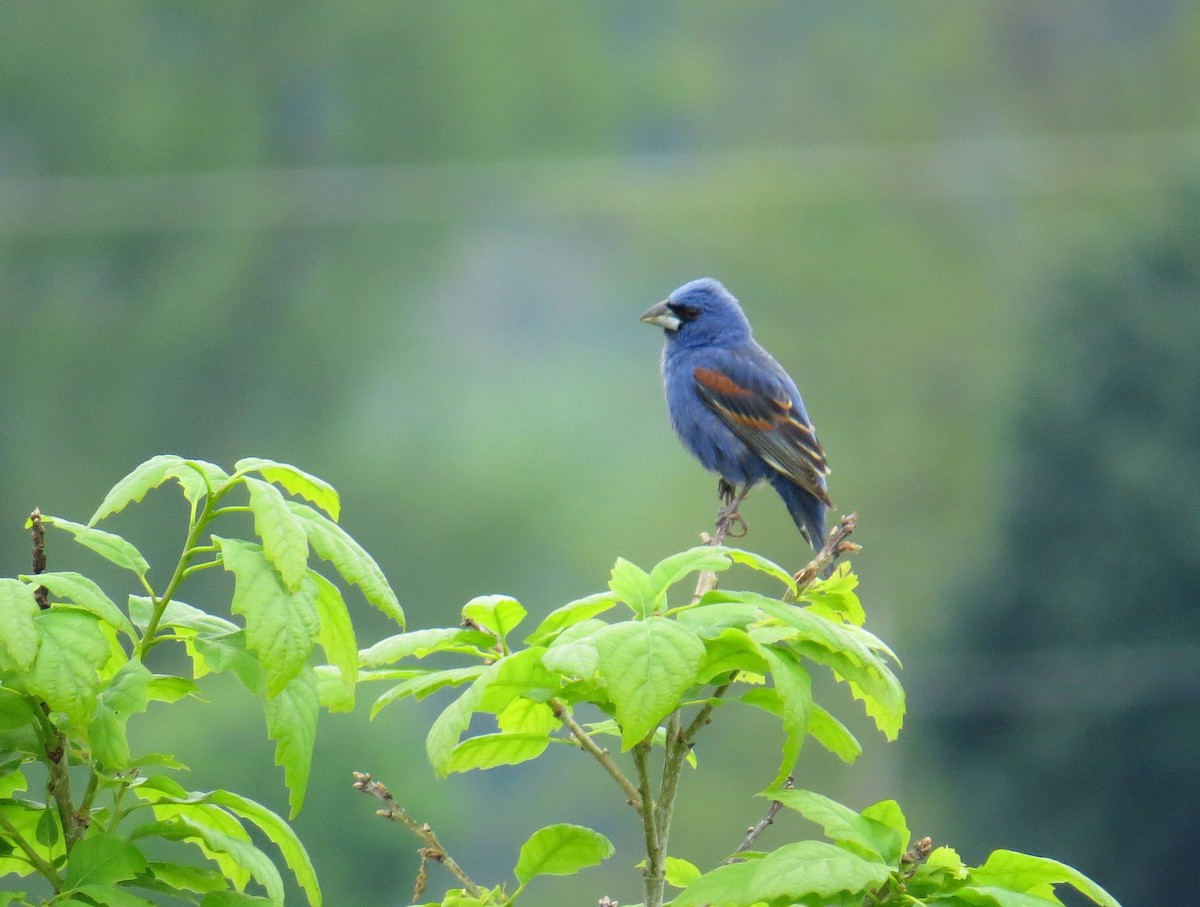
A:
758,828
601,755
835,546
394,812
38,531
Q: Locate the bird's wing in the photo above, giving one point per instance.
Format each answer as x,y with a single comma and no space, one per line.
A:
770,424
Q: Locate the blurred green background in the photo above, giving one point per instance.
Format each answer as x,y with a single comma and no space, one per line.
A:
405,246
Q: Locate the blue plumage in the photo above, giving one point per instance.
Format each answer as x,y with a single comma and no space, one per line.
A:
734,407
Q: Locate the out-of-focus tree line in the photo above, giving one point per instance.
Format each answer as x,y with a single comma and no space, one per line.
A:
421,234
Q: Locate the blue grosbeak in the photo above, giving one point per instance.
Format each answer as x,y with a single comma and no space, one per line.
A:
735,408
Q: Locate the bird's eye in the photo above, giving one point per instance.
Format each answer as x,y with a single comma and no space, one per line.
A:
685,312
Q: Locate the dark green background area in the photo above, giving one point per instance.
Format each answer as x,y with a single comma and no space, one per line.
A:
405,246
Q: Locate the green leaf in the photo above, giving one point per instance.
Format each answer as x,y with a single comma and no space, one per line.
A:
133,488
671,570
423,683
833,735
762,565
631,584
65,672
102,859
835,597
728,884
199,879
292,724
295,481
278,833
876,686
577,660
198,478
18,633
490,750
681,873
332,543
888,814
991,896
420,643
814,868
238,859
794,687
169,688
336,637
526,716
648,665
284,541
84,593
729,650
179,615
281,626
231,899
561,850
112,896
125,695
860,834
521,674
1022,872
498,614
570,614
109,546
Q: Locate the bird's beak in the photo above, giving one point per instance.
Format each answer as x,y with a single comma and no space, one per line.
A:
662,316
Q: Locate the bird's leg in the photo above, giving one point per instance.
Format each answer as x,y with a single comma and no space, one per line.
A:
728,516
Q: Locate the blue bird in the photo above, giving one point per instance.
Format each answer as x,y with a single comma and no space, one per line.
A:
735,408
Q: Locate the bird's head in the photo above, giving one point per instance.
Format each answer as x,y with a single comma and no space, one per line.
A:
700,312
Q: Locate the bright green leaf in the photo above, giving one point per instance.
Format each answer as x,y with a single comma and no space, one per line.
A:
498,614
794,688
199,478
632,585
814,868
281,626
284,541
729,650
125,695
169,688
132,488
420,643
681,873
833,735
1022,872
728,884
762,565
113,896
292,724
18,634
561,850
332,543
280,834
647,666
888,814
577,660
876,686
863,835
525,716
84,593
336,637
570,614
295,481
198,879
109,546
71,650
102,859
423,683
180,615
671,570
489,750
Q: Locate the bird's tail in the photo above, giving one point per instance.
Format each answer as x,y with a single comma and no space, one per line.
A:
806,509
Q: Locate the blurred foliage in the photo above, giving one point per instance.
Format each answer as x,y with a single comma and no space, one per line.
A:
1088,746
406,245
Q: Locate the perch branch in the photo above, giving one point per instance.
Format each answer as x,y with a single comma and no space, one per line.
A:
835,546
394,812
598,752
759,827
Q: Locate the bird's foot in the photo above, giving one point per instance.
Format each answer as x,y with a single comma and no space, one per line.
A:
729,522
